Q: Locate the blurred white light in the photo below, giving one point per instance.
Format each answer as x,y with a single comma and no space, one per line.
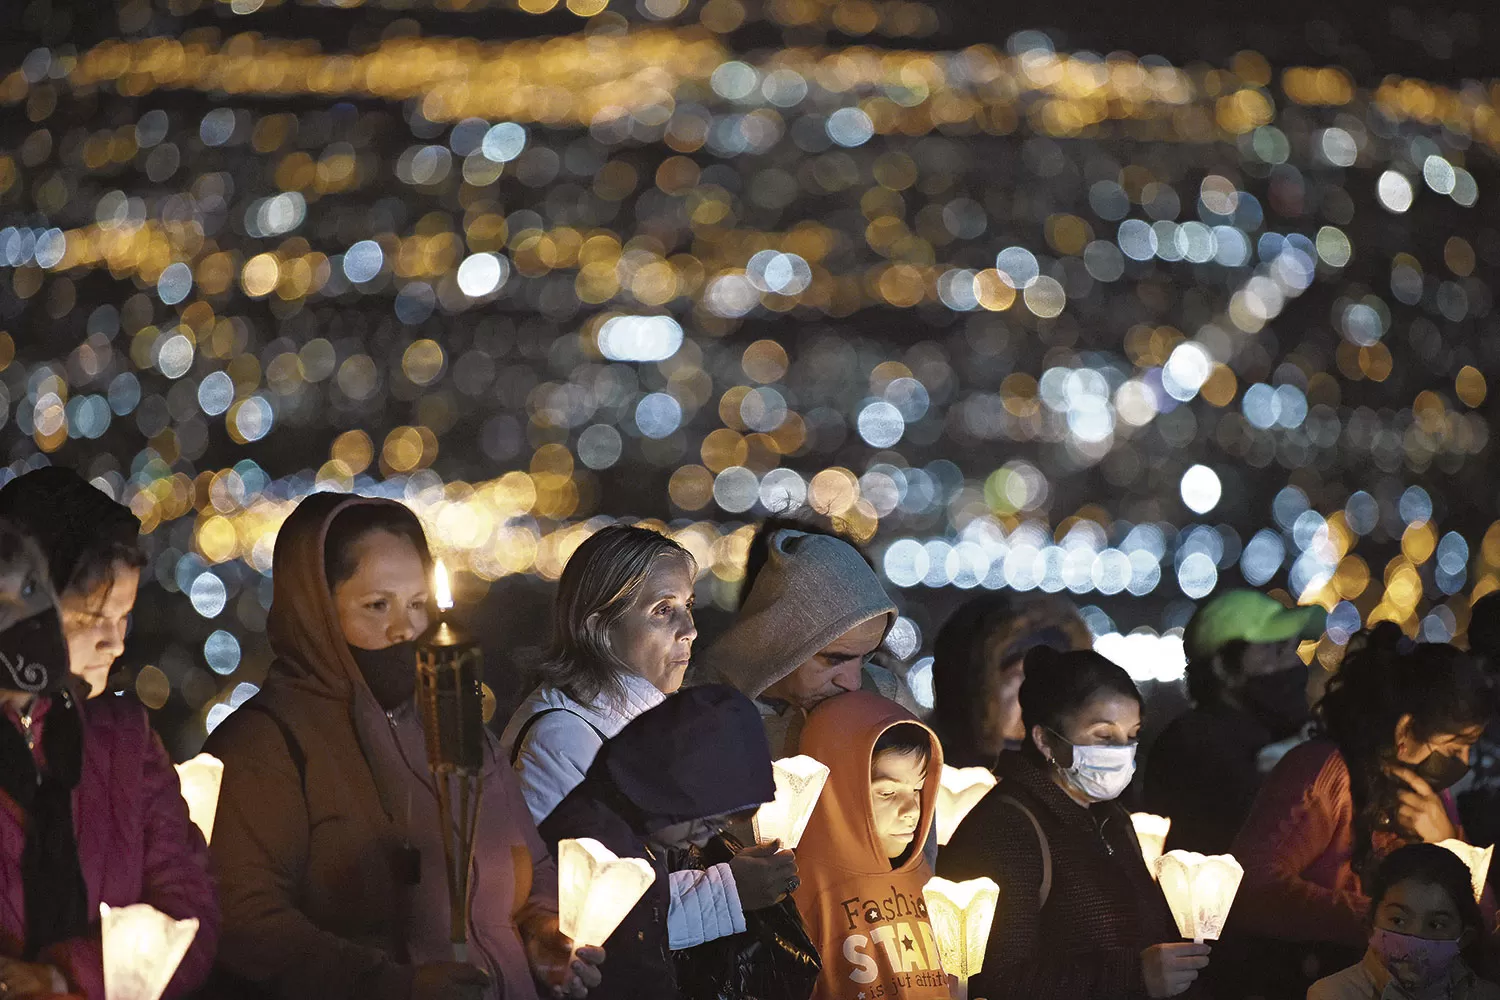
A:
763,409
503,142
208,595
734,80
1439,175
1231,246
1045,297
906,562
222,652
639,338
782,491
1197,576
217,127
1343,622
904,638
599,446
1338,147
1465,188
850,127
919,681
51,245
731,296
175,282
174,356
253,419
1186,370
482,273
215,393
1137,239
1394,191
363,261
736,489
1145,657
1201,489
1262,557
658,414
881,424
1017,266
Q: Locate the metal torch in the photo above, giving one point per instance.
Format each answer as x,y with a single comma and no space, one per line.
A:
450,699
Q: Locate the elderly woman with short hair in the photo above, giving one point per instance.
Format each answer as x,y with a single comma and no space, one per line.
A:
622,636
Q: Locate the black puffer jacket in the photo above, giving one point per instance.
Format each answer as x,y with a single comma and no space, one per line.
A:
702,752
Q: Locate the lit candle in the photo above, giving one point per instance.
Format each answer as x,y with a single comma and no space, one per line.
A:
1477,858
451,703
959,791
142,948
799,782
200,779
596,889
1200,890
1151,830
961,914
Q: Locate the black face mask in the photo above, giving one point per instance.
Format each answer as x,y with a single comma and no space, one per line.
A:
1278,701
34,655
391,672
1441,770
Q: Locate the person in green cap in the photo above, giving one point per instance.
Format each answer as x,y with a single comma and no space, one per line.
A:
1249,692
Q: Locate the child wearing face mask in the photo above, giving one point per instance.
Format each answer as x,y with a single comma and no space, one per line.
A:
1080,917
1423,921
860,861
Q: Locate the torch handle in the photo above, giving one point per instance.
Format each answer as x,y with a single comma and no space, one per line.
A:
959,988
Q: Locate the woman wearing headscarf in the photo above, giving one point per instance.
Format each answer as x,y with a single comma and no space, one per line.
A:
90,807
327,842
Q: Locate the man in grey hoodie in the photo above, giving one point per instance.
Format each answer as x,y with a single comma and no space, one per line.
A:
814,613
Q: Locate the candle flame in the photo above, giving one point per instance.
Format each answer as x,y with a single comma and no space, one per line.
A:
440,587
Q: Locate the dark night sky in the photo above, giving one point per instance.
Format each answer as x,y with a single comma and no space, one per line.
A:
1446,41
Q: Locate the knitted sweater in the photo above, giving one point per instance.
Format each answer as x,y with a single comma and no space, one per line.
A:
1102,910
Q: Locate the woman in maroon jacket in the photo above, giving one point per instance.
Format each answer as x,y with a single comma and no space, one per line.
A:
90,807
1080,917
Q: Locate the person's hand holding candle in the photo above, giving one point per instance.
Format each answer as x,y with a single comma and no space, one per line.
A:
556,965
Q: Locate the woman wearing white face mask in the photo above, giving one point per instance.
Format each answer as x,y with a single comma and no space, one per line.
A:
1082,918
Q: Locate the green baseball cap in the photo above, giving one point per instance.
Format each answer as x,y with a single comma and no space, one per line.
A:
1248,616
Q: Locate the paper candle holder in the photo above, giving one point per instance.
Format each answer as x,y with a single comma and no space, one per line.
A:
961,914
1477,858
1151,830
959,791
200,779
1200,890
596,889
799,782
142,949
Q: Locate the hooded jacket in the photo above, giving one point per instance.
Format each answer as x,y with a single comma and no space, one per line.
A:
700,753
868,921
324,794
813,589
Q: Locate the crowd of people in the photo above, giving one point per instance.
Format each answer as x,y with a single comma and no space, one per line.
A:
325,878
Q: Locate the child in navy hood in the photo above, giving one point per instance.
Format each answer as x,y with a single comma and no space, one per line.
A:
672,778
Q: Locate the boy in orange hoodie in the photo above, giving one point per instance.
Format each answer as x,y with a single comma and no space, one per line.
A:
861,861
